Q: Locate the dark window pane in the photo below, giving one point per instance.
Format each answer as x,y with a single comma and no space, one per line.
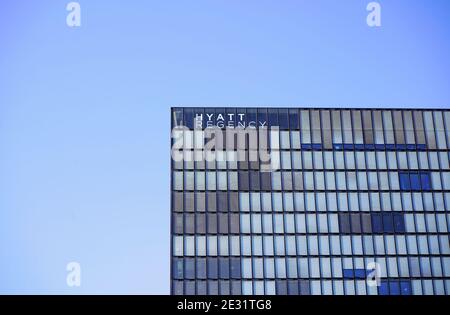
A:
189,118
243,181
283,119
223,223
177,202
383,289
201,288
224,268
344,223
243,165
234,201
425,181
388,223
222,201
377,225
265,181
293,287
177,287
177,115
234,223
281,286
366,223
254,180
356,223
348,274
177,268
189,287
405,287
273,119
212,268
399,223
394,287
189,201
304,287
178,223
189,226
360,273
415,181
201,202
201,223
213,287
189,268
293,119
211,201
224,287
236,287
212,223
201,268
404,181
235,267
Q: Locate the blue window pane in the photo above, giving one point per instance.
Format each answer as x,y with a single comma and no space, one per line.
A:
283,117
189,118
415,181
235,268
383,289
399,223
177,269
337,146
377,225
348,273
390,146
306,146
394,287
421,146
404,181
293,120
212,268
359,146
354,273
348,146
360,273
317,146
273,118
379,146
411,146
251,117
425,181
405,287
224,268
401,146
388,223
370,146
189,268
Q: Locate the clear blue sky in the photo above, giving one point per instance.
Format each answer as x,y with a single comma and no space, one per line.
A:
84,112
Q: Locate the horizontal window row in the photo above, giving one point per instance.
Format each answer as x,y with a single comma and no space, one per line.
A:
237,287
307,287
329,126
241,139
371,223
306,245
311,223
308,201
339,160
306,180
306,268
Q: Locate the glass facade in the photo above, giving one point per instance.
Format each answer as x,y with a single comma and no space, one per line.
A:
357,205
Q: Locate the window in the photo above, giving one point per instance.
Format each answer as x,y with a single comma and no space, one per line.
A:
415,181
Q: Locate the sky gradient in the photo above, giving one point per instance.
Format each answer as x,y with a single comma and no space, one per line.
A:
85,120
